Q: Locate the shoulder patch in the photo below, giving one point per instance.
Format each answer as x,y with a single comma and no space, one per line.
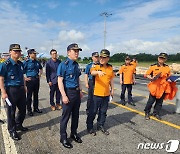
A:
7,62
66,62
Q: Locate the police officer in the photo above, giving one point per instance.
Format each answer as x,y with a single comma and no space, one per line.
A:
89,79
157,73
69,84
51,77
13,88
33,71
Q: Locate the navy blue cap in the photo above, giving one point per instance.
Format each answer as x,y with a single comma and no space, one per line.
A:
73,46
30,51
95,54
15,47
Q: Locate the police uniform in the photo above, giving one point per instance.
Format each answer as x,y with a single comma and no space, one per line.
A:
90,82
70,72
31,68
13,74
127,72
161,73
101,95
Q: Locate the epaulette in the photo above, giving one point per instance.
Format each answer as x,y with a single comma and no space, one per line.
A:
19,62
154,64
7,62
109,65
89,63
66,61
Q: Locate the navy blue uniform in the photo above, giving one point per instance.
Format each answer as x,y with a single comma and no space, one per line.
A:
13,74
51,76
31,68
70,72
91,86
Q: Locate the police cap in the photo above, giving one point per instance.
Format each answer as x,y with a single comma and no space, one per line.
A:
73,46
104,53
15,47
95,54
163,55
30,51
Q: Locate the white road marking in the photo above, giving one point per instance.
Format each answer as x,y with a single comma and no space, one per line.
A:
9,144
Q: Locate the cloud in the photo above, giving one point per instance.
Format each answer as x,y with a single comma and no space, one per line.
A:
52,4
72,36
139,46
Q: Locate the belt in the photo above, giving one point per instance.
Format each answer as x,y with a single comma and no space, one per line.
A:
76,88
14,86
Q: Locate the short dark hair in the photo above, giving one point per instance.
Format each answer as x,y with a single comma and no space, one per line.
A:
52,50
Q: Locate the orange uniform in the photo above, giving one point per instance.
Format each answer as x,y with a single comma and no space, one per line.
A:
134,63
127,71
160,86
102,83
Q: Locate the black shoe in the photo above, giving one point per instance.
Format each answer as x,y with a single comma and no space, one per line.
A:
76,138
30,113
103,130
66,144
21,128
123,102
1,121
158,117
147,116
14,135
37,110
132,103
92,131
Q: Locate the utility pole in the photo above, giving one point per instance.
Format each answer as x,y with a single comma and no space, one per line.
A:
105,14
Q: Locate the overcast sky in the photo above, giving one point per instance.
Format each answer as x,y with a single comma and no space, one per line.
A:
135,26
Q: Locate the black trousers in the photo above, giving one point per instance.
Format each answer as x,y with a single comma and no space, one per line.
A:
17,97
123,90
54,89
32,89
100,106
157,106
90,94
70,109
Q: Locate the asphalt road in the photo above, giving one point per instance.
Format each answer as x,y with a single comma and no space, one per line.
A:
126,125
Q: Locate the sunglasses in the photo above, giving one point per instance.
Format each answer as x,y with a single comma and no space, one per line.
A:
17,50
103,57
